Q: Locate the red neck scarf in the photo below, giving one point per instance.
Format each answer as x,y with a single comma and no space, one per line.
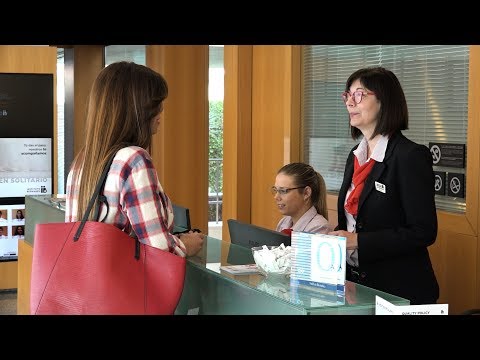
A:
287,231
360,173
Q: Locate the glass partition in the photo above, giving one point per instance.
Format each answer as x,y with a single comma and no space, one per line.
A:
211,291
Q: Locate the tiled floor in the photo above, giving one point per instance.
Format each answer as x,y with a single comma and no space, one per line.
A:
8,302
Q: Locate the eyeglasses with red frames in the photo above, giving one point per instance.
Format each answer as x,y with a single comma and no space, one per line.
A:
357,95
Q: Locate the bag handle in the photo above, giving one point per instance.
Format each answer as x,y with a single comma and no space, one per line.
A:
98,190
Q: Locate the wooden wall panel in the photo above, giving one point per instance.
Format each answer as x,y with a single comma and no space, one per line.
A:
88,62
28,59
332,209
473,142
8,275
237,135
25,255
473,158
459,222
180,148
454,259
275,124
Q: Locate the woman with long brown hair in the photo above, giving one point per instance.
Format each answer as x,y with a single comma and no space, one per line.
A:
124,111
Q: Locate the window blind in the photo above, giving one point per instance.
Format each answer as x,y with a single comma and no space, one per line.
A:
434,79
134,53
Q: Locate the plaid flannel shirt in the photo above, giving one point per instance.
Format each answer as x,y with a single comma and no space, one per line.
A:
136,201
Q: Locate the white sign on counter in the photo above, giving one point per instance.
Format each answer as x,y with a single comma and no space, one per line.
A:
384,307
319,260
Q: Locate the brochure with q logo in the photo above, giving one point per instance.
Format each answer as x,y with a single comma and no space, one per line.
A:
319,260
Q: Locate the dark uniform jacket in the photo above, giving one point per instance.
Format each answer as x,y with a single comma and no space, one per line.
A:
395,227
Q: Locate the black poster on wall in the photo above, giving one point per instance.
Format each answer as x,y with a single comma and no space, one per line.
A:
26,105
440,178
450,155
456,185
26,151
26,136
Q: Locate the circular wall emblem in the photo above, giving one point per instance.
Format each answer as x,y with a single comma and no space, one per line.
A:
436,154
438,182
455,185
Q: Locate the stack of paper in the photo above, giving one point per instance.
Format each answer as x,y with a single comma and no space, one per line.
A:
241,269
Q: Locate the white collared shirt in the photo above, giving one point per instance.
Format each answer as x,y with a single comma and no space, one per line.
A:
361,153
311,221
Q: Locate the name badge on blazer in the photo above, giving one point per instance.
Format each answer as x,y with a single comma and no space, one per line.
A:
380,187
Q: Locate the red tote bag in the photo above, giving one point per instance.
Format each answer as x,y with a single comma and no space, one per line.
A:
89,267
99,273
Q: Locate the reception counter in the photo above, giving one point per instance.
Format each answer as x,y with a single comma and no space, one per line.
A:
210,290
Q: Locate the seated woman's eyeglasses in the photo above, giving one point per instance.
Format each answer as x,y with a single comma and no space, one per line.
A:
283,191
357,95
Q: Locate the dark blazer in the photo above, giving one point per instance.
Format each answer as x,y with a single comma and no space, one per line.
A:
396,227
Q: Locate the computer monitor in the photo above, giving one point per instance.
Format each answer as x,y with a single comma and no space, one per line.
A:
249,235
181,218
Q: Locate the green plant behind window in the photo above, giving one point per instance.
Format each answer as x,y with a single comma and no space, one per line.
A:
215,148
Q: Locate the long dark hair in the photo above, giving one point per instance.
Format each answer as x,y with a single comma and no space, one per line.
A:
123,101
